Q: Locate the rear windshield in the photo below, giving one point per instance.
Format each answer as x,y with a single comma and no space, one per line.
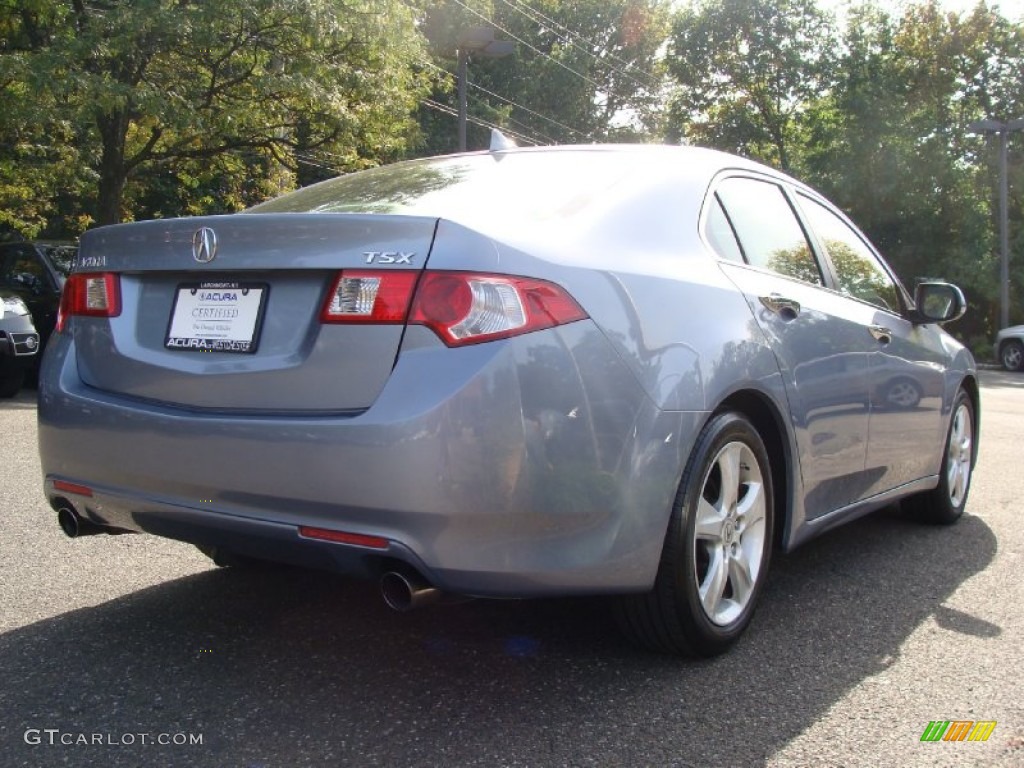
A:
472,189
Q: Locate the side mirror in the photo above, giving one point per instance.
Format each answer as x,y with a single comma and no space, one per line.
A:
938,303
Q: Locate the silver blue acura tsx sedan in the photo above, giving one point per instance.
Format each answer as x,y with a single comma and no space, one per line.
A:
625,371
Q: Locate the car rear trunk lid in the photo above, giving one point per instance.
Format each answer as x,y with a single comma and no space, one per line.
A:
223,312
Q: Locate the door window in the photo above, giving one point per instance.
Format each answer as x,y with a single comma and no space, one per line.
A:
720,233
767,229
858,270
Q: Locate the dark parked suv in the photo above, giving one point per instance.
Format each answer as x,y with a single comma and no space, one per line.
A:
19,343
35,273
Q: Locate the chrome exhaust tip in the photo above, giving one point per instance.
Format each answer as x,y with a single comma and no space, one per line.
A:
403,592
74,525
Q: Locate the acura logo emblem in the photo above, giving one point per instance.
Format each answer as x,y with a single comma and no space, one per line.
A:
204,245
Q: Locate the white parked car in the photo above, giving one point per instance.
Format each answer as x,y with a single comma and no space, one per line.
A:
1010,347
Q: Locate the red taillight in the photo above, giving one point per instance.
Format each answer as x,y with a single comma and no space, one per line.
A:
460,307
468,308
364,296
90,294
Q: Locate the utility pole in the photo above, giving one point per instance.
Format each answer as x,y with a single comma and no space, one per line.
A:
1003,130
478,41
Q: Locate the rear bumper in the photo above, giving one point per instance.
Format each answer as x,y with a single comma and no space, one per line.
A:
531,466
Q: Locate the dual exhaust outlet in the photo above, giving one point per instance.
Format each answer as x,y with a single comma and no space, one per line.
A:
402,591
74,525
406,591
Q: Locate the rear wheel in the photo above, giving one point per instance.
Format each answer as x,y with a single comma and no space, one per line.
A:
717,549
1011,355
10,383
944,504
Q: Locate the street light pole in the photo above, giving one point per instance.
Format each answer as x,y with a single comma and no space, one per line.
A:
479,41
463,74
1003,130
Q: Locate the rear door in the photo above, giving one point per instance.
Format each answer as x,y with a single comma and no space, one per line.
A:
24,271
821,347
907,364
223,313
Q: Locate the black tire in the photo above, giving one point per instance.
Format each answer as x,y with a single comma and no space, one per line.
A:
1011,355
737,529
10,383
944,504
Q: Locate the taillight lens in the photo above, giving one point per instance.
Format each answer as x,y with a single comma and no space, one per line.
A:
467,308
460,307
363,296
90,294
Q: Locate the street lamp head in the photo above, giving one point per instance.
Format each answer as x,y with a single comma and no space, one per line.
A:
480,42
987,125
497,49
476,38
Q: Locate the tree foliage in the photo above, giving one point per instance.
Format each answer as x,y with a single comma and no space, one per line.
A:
874,114
748,71
144,108
158,88
582,71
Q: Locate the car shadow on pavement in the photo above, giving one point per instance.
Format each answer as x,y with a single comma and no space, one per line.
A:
288,668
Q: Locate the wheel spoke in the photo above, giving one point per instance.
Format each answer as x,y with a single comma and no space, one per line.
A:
751,507
740,577
729,469
710,520
713,585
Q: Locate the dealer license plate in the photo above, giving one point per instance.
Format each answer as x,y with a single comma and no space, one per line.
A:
217,317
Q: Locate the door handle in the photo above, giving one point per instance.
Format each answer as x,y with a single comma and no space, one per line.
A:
785,308
881,333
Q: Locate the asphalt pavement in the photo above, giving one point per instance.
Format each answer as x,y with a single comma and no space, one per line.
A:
136,651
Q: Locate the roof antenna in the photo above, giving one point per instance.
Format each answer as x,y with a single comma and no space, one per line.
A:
500,141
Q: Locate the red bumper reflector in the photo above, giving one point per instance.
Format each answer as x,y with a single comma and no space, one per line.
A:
341,537
63,485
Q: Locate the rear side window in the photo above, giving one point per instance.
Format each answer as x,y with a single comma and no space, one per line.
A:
767,228
20,267
858,271
720,233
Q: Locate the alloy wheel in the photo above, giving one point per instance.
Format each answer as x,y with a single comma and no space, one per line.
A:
960,454
729,533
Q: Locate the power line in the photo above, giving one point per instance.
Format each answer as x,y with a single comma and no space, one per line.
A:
307,160
566,35
527,109
516,105
526,128
536,50
437,106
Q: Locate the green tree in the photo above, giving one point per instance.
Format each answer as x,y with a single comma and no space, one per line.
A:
151,87
891,143
582,71
747,71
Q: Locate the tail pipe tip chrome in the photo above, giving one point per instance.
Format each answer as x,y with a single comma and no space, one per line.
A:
74,525
405,591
